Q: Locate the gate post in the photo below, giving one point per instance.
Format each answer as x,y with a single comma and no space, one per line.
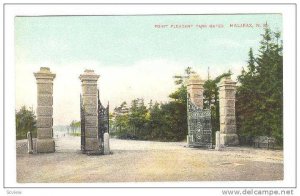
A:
194,111
89,99
44,80
195,90
228,136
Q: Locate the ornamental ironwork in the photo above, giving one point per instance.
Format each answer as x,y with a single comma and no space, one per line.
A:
199,126
82,125
103,120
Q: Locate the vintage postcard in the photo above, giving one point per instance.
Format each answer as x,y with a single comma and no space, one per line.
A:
122,99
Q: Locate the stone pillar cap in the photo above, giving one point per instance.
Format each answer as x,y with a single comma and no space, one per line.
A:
44,73
227,81
89,74
195,79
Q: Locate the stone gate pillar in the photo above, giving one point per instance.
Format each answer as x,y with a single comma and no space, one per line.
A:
45,141
195,90
228,136
195,93
90,100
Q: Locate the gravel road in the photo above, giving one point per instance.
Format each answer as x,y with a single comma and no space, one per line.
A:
147,161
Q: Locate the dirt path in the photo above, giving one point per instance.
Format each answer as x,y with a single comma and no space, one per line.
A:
139,161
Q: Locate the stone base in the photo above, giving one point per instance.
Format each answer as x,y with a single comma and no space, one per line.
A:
45,145
217,145
229,139
188,140
106,144
92,144
98,152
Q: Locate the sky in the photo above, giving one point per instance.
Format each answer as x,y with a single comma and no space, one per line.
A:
135,56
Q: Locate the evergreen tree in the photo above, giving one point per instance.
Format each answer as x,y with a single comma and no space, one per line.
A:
260,94
137,118
119,121
155,122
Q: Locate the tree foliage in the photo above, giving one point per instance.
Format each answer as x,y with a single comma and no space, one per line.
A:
75,125
25,121
158,121
165,121
259,103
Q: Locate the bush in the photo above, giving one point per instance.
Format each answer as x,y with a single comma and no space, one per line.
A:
25,121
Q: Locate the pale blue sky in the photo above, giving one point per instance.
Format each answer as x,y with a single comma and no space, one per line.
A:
123,40
134,59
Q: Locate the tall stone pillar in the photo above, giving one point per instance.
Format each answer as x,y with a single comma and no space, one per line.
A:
228,136
195,90
90,100
195,93
45,142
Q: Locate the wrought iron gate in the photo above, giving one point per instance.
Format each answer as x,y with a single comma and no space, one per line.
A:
103,121
199,126
82,125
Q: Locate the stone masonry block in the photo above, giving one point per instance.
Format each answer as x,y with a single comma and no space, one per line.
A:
45,145
198,102
195,86
229,139
227,103
91,132
227,94
227,128
89,81
92,144
228,120
43,133
90,100
45,88
91,121
90,110
196,96
44,111
222,94
195,91
227,87
45,100
47,80
227,111
89,89
44,122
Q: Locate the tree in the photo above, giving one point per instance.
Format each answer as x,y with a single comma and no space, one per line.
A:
137,118
25,121
174,113
119,120
75,125
260,94
164,122
174,121
167,121
181,79
155,125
